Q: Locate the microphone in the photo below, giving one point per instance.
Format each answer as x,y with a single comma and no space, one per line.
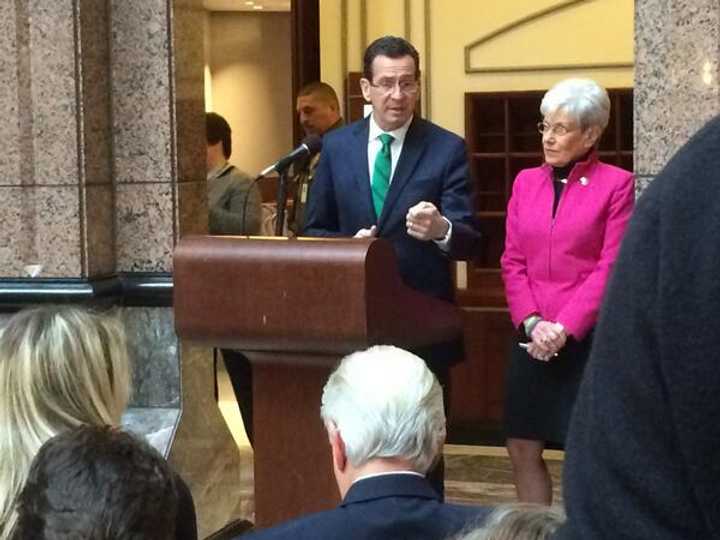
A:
310,145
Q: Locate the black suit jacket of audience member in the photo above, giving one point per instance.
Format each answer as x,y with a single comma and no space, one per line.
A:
393,506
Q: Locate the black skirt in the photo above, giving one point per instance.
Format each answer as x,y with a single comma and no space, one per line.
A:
539,396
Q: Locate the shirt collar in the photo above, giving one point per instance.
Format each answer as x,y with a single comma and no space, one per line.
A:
217,171
397,134
375,475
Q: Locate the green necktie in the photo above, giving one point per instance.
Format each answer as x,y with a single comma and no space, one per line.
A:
381,173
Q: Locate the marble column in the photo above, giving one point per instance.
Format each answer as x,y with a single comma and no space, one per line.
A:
55,179
676,78
159,163
102,172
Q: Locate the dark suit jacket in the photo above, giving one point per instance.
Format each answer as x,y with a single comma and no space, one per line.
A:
396,506
432,167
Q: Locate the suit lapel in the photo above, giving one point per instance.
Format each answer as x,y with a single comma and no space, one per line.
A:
412,149
359,154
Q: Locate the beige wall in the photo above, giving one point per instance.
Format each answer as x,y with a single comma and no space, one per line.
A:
332,55
250,72
586,33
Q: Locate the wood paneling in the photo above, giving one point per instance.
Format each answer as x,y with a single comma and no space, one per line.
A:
477,385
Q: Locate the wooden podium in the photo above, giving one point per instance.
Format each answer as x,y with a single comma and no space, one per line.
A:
294,308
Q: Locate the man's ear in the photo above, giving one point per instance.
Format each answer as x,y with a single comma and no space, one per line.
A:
337,445
365,87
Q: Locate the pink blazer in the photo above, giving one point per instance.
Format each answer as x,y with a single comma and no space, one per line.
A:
559,267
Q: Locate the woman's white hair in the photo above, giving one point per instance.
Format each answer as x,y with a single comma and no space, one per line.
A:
583,99
518,521
60,367
385,402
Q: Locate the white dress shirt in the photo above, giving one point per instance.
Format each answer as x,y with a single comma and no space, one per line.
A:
375,475
375,144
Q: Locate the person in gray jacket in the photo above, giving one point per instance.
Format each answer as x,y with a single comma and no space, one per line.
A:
234,201
235,207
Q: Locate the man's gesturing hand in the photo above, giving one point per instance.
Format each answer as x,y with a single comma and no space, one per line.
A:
424,222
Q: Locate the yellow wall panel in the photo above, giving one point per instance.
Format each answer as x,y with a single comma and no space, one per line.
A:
254,94
385,17
586,32
332,45
356,33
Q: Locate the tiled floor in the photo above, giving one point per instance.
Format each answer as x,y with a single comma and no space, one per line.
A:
473,474
483,475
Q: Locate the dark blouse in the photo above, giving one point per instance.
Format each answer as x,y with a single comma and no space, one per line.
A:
560,174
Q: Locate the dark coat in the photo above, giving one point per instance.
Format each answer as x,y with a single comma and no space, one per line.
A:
396,506
186,522
643,452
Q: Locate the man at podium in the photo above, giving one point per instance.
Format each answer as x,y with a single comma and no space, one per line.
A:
396,176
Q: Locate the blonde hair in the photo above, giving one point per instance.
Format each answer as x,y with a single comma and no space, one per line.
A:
520,521
60,367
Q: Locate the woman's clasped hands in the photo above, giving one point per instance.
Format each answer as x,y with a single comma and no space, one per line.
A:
547,339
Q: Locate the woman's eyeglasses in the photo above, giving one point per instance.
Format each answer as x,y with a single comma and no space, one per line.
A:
553,129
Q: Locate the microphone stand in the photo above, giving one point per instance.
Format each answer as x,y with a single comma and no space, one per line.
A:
281,201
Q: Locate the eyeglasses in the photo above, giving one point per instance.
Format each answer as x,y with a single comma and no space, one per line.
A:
554,129
387,86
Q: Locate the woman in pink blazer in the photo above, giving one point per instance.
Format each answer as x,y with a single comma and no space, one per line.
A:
565,222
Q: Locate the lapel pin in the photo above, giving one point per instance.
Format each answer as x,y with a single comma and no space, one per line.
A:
584,181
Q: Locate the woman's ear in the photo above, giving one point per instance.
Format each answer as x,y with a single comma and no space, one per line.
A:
592,136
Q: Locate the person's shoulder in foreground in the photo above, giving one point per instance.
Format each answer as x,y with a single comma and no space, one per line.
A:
642,459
